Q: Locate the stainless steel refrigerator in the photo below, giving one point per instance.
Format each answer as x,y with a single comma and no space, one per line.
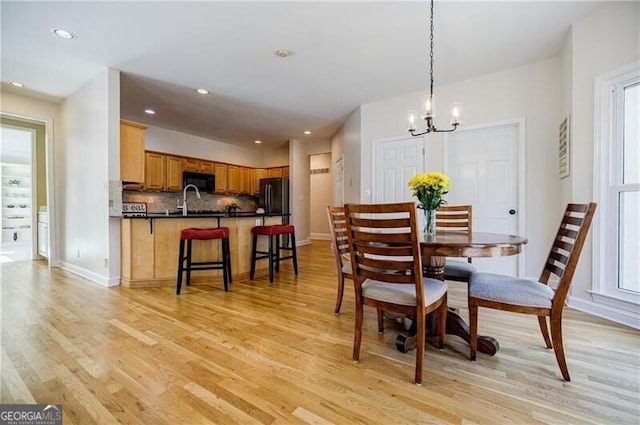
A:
274,198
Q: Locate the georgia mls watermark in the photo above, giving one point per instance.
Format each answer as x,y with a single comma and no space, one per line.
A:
30,414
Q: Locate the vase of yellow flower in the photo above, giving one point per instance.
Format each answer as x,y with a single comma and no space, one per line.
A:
430,189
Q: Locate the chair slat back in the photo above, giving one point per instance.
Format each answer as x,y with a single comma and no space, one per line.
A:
455,217
384,245
338,229
567,246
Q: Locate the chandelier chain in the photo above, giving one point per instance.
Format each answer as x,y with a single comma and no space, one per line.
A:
431,54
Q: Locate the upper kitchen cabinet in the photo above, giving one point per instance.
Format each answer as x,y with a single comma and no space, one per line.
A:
245,180
155,171
220,170
274,172
256,175
207,167
233,178
285,172
191,164
132,156
174,173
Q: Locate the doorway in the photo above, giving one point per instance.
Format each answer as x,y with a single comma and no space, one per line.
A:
18,190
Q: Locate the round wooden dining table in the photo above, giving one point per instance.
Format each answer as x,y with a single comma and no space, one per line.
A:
449,243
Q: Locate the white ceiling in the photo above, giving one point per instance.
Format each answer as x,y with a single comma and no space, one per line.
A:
344,54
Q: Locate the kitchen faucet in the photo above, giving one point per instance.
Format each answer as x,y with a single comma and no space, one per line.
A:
184,198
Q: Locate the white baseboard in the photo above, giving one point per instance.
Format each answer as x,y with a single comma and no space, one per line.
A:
89,275
303,242
321,236
623,317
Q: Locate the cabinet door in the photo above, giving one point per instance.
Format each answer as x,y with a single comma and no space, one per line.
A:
257,174
285,171
233,178
207,167
132,157
155,171
274,172
221,177
174,173
190,164
245,180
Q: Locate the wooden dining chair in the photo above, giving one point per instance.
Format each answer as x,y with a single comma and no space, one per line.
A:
340,247
458,218
536,297
387,270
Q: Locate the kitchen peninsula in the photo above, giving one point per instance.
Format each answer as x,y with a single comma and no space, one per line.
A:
150,243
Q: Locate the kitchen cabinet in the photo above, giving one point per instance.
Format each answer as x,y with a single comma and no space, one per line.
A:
245,180
256,175
191,164
174,173
220,170
274,172
207,167
285,172
233,178
132,155
155,171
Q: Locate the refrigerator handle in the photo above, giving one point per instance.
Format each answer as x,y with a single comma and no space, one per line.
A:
268,197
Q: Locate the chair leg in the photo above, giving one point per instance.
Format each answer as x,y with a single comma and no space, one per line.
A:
473,330
420,330
180,266
542,321
277,252
340,293
294,253
189,241
270,258
380,321
556,337
228,260
225,268
357,334
254,247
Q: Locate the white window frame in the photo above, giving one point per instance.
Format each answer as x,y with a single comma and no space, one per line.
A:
607,186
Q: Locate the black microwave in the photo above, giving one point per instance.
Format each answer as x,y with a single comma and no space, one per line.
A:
204,182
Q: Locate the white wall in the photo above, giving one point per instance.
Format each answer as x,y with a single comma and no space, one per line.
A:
169,141
606,39
82,170
299,189
48,113
347,143
277,157
532,92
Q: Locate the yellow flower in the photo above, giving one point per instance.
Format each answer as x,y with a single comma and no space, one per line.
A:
430,189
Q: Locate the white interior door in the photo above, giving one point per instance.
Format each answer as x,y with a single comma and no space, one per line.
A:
485,169
394,163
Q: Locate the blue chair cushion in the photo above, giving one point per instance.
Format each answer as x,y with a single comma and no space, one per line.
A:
459,269
403,294
510,290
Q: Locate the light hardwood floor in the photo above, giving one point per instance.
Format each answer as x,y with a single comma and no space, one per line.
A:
277,354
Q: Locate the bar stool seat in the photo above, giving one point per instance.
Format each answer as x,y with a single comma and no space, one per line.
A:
274,233
224,264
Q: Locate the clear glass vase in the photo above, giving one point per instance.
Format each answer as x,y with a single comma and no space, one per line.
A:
429,223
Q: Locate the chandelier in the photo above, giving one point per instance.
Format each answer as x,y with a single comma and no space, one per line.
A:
428,113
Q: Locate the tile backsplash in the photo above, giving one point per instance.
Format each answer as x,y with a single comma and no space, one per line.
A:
161,202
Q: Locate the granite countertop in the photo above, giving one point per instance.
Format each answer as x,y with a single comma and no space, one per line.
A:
196,214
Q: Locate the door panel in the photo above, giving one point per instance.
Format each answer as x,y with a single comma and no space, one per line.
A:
395,162
483,166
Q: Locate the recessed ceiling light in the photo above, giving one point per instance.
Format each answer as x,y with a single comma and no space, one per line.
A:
257,142
202,91
283,53
67,35
307,132
16,84
149,111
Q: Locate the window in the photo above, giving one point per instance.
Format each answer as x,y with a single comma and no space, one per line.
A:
617,240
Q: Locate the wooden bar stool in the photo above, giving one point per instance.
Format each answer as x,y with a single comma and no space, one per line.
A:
274,232
223,264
